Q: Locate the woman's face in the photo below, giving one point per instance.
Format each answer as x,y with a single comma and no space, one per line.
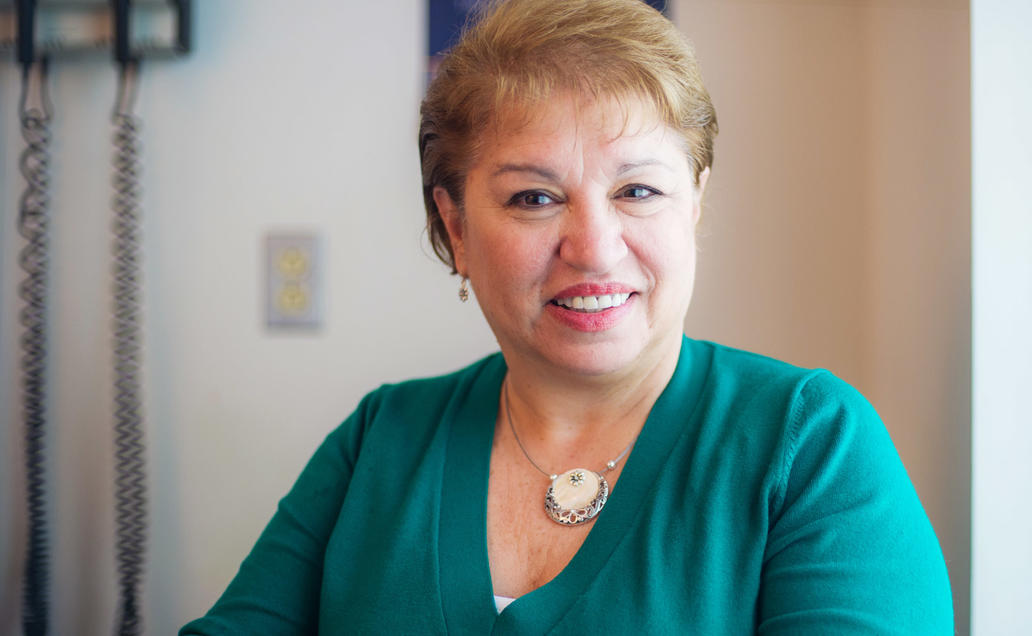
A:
578,236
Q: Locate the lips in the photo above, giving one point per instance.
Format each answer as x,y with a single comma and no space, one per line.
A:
592,307
591,304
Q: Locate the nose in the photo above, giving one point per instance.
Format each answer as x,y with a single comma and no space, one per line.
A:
592,238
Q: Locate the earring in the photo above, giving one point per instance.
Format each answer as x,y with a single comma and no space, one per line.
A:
464,289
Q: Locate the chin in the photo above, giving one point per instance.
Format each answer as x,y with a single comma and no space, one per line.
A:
597,360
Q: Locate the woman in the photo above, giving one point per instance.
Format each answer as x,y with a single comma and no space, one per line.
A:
604,471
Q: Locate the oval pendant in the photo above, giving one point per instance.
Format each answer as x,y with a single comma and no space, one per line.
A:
576,496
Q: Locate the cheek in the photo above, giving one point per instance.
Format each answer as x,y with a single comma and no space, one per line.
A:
509,252
508,271
667,253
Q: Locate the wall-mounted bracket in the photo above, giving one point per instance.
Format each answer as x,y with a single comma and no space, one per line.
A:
132,29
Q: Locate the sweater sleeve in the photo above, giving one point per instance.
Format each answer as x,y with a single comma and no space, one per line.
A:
276,591
850,549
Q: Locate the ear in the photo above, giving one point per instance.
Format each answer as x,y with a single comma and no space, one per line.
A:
454,223
703,179
699,191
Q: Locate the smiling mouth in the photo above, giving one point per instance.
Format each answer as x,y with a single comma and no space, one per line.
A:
591,304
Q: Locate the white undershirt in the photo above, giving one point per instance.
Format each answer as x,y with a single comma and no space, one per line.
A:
501,602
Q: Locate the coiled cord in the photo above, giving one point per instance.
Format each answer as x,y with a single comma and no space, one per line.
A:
130,488
33,223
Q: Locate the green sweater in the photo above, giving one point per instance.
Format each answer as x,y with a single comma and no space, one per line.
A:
759,498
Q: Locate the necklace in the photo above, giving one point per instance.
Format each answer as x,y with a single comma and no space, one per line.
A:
576,496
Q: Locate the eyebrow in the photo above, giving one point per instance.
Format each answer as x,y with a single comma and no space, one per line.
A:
627,167
545,173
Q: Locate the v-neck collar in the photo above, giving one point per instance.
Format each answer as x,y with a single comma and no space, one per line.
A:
465,574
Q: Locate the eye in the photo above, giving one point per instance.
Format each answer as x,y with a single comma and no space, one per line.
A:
531,199
637,192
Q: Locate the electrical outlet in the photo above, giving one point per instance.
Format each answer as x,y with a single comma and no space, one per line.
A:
293,274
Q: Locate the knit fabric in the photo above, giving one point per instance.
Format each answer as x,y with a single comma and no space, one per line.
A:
758,498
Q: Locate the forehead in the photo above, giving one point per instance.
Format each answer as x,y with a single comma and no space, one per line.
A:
572,118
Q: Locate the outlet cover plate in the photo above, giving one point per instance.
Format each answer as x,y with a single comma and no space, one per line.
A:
294,285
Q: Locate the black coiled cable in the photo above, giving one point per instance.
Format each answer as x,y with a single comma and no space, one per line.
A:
130,488
33,222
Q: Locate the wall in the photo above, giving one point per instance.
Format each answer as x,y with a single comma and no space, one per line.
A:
917,354
1001,583
817,250
837,229
281,118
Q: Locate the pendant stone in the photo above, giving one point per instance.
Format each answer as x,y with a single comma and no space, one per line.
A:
576,496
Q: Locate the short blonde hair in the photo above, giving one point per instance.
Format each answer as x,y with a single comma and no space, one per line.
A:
516,53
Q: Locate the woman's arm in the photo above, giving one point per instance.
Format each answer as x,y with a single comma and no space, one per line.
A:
277,588
850,549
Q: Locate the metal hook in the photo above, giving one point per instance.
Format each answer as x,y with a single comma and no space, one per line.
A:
128,88
46,106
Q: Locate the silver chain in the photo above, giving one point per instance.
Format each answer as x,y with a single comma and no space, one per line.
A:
610,465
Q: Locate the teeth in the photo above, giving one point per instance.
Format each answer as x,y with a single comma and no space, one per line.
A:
593,303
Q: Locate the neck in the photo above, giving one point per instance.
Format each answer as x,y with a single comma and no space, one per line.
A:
557,410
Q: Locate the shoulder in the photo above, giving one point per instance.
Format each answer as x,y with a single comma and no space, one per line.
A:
834,496
798,422
755,370
407,415
415,407
761,384
818,433
430,394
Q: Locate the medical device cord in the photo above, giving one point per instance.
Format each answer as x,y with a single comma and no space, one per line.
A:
130,487
33,222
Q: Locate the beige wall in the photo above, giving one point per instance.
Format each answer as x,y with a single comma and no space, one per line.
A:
918,344
838,220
